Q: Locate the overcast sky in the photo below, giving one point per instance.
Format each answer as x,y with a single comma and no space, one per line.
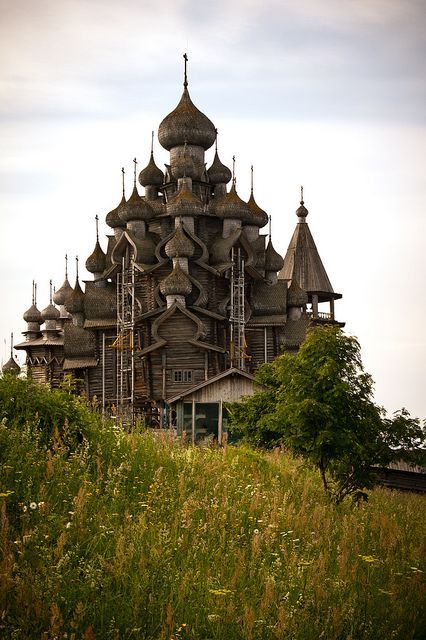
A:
326,93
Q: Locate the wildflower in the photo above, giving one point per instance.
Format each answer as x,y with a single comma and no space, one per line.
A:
213,617
41,504
33,505
25,508
220,592
368,559
256,531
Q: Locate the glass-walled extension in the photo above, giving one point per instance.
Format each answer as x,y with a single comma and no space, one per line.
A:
201,421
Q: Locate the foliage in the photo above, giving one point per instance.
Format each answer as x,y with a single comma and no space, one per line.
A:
128,536
321,407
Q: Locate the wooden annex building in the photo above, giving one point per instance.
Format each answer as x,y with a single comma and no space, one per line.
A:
189,298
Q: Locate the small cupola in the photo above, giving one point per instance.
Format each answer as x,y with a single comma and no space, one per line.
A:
96,262
11,366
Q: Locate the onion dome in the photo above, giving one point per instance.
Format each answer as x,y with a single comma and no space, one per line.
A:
151,175
96,262
113,219
218,173
259,216
179,246
184,203
273,260
33,315
176,283
11,366
187,124
75,302
50,313
60,296
231,206
302,211
296,296
136,208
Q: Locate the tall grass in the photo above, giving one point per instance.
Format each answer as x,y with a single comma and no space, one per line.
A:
114,536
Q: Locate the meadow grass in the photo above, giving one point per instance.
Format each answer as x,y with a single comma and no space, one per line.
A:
108,535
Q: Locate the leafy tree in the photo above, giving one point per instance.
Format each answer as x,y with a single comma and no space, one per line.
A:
320,405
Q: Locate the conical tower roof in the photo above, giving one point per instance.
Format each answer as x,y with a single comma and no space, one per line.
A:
302,261
11,366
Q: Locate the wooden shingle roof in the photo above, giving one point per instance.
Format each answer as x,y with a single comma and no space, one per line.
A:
303,263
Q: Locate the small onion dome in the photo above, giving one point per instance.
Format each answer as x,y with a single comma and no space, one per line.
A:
50,313
136,208
302,211
75,301
60,296
151,175
296,296
180,245
96,262
176,283
259,216
187,124
184,203
231,206
113,219
11,366
273,260
33,315
218,173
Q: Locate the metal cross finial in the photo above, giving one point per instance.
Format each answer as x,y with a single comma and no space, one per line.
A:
76,266
185,81
215,146
50,291
233,171
66,267
97,226
270,227
301,195
123,173
134,171
251,169
11,345
35,293
33,297
152,142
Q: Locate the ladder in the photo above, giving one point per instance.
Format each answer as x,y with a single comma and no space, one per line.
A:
124,342
237,311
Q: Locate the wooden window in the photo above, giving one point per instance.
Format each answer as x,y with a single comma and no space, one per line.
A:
182,375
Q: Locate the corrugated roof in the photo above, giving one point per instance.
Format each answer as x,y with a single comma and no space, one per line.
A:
79,363
303,263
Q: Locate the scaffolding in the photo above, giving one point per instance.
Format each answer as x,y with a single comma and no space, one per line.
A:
237,311
124,343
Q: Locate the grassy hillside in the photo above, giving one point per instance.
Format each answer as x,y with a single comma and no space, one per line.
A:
113,536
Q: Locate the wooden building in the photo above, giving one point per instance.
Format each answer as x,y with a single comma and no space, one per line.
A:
189,297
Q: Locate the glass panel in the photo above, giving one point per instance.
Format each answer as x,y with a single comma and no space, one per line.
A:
206,421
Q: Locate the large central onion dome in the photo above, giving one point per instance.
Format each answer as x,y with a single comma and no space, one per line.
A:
187,124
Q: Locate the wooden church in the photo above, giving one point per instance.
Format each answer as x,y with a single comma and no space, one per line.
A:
189,298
